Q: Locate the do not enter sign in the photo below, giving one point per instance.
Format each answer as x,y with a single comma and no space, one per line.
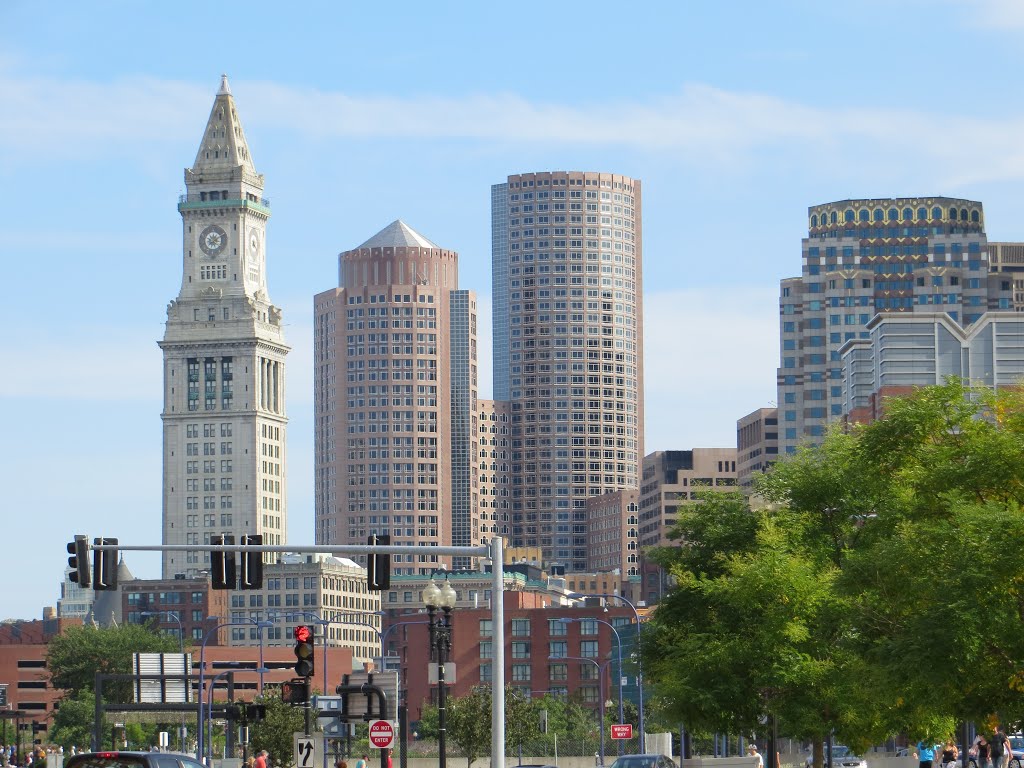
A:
382,734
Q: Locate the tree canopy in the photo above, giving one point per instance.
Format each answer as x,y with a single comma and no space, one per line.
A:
77,654
880,589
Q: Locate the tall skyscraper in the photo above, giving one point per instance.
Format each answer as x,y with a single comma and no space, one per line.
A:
568,348
862,257
395,394
224,351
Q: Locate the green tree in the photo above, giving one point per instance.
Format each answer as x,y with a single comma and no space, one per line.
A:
468,723
924,508
522,716
751,626
75,656
276,731
73,720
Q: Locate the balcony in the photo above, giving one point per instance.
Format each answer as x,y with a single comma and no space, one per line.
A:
193,203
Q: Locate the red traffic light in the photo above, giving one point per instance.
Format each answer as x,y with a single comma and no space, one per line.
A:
303,633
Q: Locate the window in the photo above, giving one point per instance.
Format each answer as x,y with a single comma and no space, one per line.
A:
520,650
558,648
520,627
521,673
556,627
486,649
486,628
588,649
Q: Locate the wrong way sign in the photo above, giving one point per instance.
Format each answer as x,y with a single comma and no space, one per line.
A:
623,731
382,733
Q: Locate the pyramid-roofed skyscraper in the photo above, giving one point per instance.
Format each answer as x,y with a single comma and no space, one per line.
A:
395,390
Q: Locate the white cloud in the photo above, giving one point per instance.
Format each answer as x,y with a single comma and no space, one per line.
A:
709,357
1001,14
699,124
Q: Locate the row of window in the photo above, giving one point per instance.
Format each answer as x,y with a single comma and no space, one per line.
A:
865,215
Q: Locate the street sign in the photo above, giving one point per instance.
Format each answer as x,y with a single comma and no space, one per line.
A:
622,731
449,672
337,729
305,752
382,734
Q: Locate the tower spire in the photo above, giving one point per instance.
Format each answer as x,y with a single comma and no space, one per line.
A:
223,147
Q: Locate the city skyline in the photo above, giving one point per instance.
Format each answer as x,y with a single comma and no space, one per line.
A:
735,123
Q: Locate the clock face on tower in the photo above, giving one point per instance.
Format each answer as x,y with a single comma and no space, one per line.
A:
213,240
254,244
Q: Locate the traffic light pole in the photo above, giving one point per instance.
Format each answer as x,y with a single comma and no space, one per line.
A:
493,550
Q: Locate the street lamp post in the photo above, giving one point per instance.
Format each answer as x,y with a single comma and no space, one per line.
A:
200,750
181,649
600,692
443,598
209,709
639,663
618,648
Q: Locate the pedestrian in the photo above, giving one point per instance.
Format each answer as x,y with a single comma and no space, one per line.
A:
925,754
981,750
363,762
999,748
752,752
341,763
261,759
949,753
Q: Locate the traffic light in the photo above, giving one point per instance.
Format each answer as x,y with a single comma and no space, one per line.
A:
252,562
255,713
222,564
378,566
38,727
303,651
295,691
104,565
79,560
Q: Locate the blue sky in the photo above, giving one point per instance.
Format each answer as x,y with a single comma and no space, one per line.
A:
736,117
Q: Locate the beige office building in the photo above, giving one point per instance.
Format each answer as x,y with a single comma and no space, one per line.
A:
671,478
224,376
395,399
757,444
568,351
492,486
613,531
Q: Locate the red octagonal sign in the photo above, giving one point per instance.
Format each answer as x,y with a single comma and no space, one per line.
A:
382,734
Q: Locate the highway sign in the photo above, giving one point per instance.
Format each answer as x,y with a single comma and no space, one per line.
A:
382,734
622,731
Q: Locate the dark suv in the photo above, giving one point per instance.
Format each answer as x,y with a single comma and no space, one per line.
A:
131,760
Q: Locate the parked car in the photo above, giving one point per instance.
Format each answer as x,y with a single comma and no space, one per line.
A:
131,760
841,758
644,761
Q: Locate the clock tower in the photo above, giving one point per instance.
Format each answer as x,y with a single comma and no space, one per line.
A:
224,406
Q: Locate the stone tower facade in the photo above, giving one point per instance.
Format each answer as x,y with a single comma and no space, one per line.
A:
224,352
